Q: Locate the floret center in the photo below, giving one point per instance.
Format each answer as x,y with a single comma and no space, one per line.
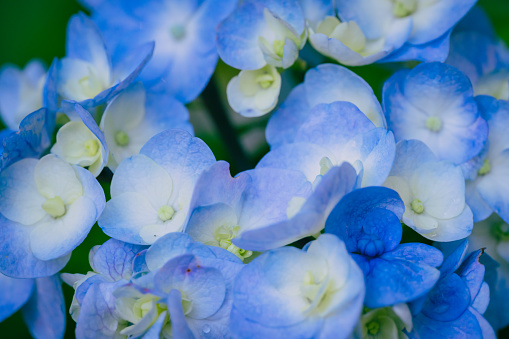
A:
403,8
122,138
224,236
486,167
417,206
178,32
54,207
373,327
434,124
166,213
265,80
91,147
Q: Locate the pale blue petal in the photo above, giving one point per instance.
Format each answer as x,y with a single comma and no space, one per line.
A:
45,311
115,259
17,259
14,294
435,50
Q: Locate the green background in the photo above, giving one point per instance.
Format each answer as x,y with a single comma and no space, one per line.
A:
36,29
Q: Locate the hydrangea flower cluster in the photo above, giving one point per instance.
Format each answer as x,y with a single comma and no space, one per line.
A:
363,218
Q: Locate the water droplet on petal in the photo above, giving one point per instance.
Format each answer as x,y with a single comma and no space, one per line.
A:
206,329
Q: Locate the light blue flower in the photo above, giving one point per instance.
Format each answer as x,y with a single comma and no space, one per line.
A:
151,191
184,283
264,32
47,209
135,116
41,302
324,84
454,307
330,135
21,92
486,187
317,293
250,209
184,31
368,221
433,192
87,74
434,103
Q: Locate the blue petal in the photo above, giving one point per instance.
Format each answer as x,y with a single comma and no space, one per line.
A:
45,311
115,259
454,259
416,253
472,272
448,300
179,327
99,303
397,281
311,217
286,121
177,151
85,42
216,185
14,293
32,138
466,326
205,287
50,94
435,50
328,83
368,220
16,256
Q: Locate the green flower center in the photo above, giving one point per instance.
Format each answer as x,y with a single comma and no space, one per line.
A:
121,138
165,213
403,8
434,124
91,147
279,47
265,80
373,327
178,32
417,206
486,167
54,207
224,235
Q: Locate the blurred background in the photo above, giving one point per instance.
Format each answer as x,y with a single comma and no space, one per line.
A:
36,29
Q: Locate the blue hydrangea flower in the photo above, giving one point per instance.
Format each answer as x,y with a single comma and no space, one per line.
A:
249,210
373,30
486,187
368,221
433,192
47,209
87,74
135,116
151,191
183,283
434,103
41,302
21,92
112,266
316,293
80,141
484,59
324,84
264,32
332,134
184,31
454,307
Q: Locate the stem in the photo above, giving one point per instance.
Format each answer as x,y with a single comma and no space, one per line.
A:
212,100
